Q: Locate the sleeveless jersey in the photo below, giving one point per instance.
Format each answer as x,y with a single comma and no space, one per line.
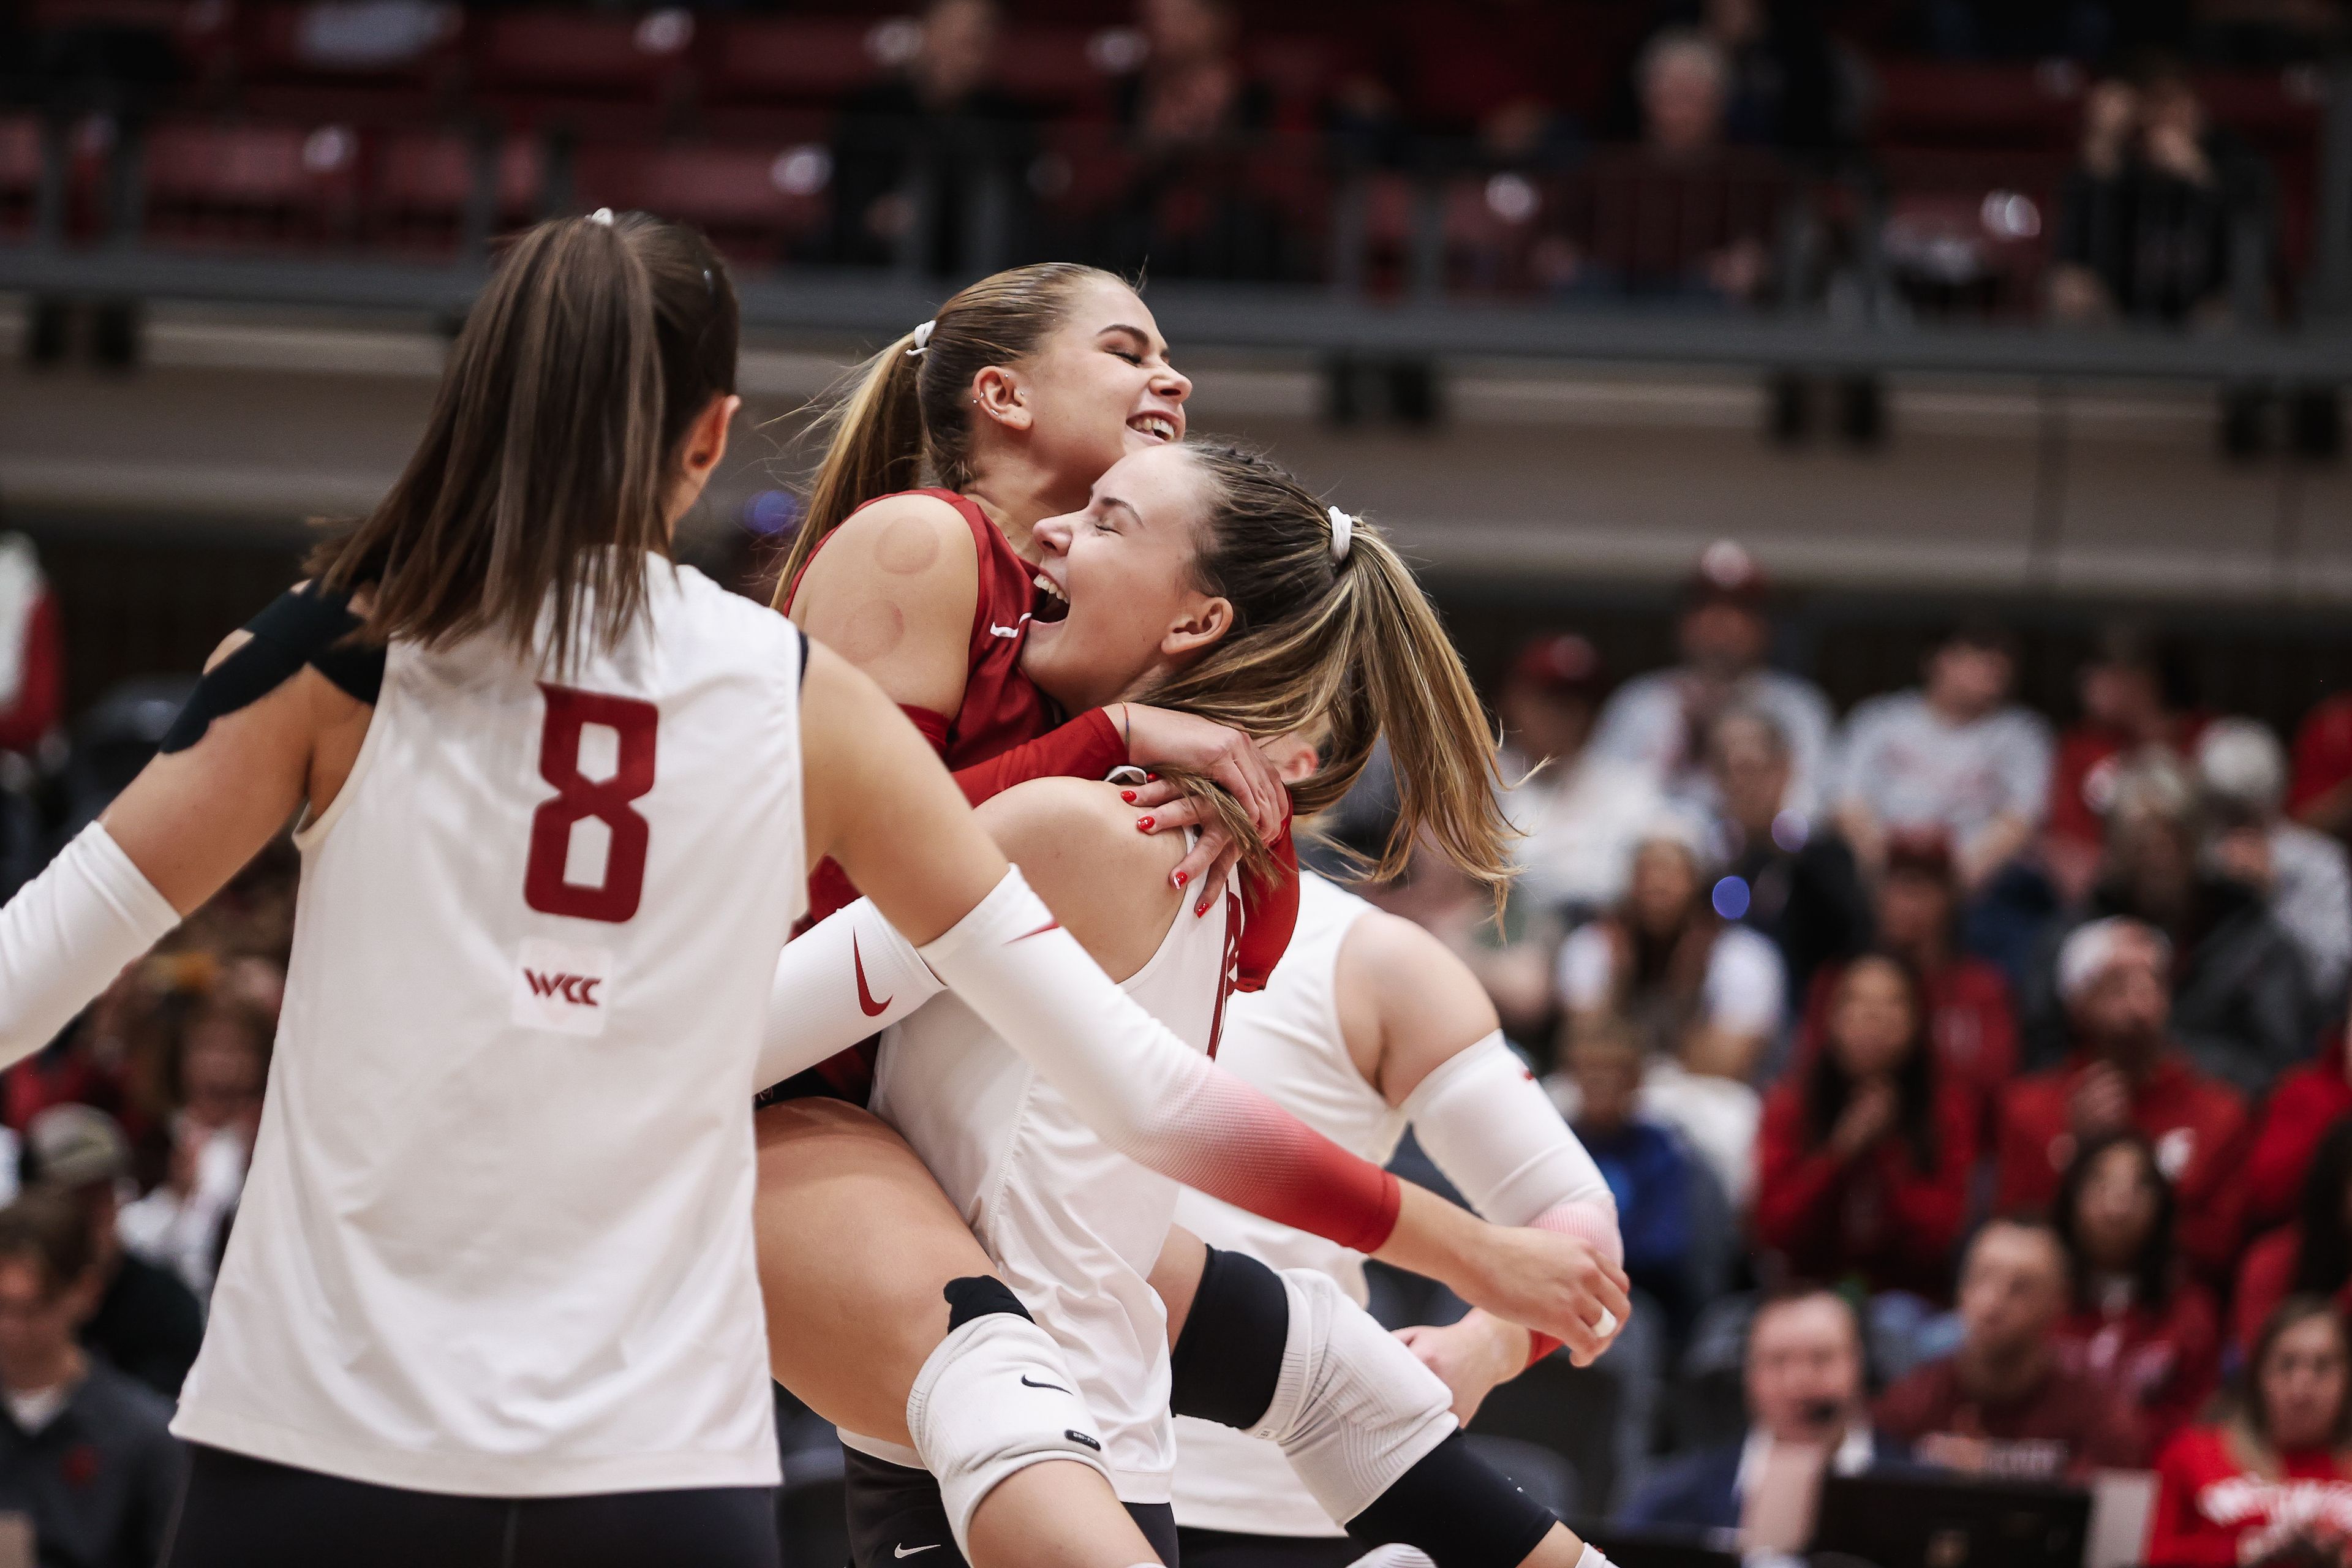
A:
497,1236
1073,1227
1286,1040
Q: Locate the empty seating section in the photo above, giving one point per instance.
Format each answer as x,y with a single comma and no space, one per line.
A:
419,129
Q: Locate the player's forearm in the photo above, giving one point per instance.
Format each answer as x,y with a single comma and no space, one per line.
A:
68,933
848,976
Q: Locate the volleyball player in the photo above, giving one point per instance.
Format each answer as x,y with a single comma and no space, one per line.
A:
491,1297
1370,1026
1209,580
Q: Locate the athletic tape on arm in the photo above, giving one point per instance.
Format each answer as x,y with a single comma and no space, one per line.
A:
849,976
1142,1090
68,933
302,625
1494,1133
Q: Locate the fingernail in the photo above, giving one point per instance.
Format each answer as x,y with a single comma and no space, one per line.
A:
1128,796
1182,877
1143,824
1202,910
1151,778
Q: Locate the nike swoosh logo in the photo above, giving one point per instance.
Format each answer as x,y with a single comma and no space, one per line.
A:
910,1551
1055,1386
865,993
1024,936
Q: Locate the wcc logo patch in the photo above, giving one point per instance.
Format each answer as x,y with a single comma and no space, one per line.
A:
558,986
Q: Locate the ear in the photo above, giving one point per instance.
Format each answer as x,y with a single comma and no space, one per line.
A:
706,439
998,395
1197,629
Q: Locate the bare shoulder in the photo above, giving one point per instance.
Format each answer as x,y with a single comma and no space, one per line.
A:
912,538
1075,843
1407,1002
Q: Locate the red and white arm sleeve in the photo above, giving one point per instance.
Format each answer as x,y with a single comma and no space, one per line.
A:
1141,1089
68,933
849,976
1489,1125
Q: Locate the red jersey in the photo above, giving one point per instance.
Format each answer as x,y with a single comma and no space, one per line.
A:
2302,1106
2214,1510
1007,730
2197,1123
1878,1215
2067,1424
2322,751
1970,1017
2162,1362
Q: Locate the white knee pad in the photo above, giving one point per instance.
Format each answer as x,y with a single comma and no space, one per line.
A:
1353,1409
992,1399
1397,1556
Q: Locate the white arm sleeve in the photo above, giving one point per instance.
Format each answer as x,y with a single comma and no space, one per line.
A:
848,976
1493,1131
68,933
1143,1092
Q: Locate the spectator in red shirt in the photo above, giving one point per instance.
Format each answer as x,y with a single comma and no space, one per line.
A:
2312,1256
2270,1482
2132,698
2126,1073
1970,1016
2322,794
2295,1117
2005,1403
1863,1161
2138,1324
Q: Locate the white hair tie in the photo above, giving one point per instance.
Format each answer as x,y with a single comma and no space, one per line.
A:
1343,534
603,215
922,338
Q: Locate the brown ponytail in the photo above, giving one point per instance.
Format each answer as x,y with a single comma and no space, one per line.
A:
905,416
547,462
1348,645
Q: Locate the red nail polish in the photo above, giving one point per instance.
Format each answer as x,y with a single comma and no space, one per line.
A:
1143,824
1182,877
1128,796
1201,910
1153,778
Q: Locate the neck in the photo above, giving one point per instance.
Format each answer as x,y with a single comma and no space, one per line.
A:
61,1365
1999,1375
1016,502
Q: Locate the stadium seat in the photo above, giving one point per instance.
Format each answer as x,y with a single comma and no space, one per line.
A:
779,62
315,61
1056,68
422,186
20,173
600,74
757,202
1935,103
236,186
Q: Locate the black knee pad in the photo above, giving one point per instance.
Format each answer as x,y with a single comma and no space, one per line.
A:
1458,1510
976,1296
1228,1359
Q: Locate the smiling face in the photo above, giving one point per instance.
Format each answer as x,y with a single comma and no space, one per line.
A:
1119,597
1097,388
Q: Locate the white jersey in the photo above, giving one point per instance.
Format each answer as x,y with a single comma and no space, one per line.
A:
1073,1227
497,1240
1284,1039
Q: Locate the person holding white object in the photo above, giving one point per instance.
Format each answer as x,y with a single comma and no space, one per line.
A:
1368,1026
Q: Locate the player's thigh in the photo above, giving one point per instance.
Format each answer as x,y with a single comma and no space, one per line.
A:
857,1242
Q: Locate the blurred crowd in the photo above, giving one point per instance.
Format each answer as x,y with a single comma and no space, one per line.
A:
2024,1050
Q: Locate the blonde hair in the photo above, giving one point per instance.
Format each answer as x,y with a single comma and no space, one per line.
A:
903,411
1347,648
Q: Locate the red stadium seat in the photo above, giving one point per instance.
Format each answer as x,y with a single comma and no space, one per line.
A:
423,185
1055,68
20,173
758,202
600,75
239,185
797,60
1930,103
300,62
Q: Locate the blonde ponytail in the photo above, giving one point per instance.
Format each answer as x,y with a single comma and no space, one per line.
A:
904,416
1338,641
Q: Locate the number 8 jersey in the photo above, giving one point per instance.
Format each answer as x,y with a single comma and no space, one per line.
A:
497,1238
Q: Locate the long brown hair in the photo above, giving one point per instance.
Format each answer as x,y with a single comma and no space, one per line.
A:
905,413
1348,649
2249,1422
554,434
